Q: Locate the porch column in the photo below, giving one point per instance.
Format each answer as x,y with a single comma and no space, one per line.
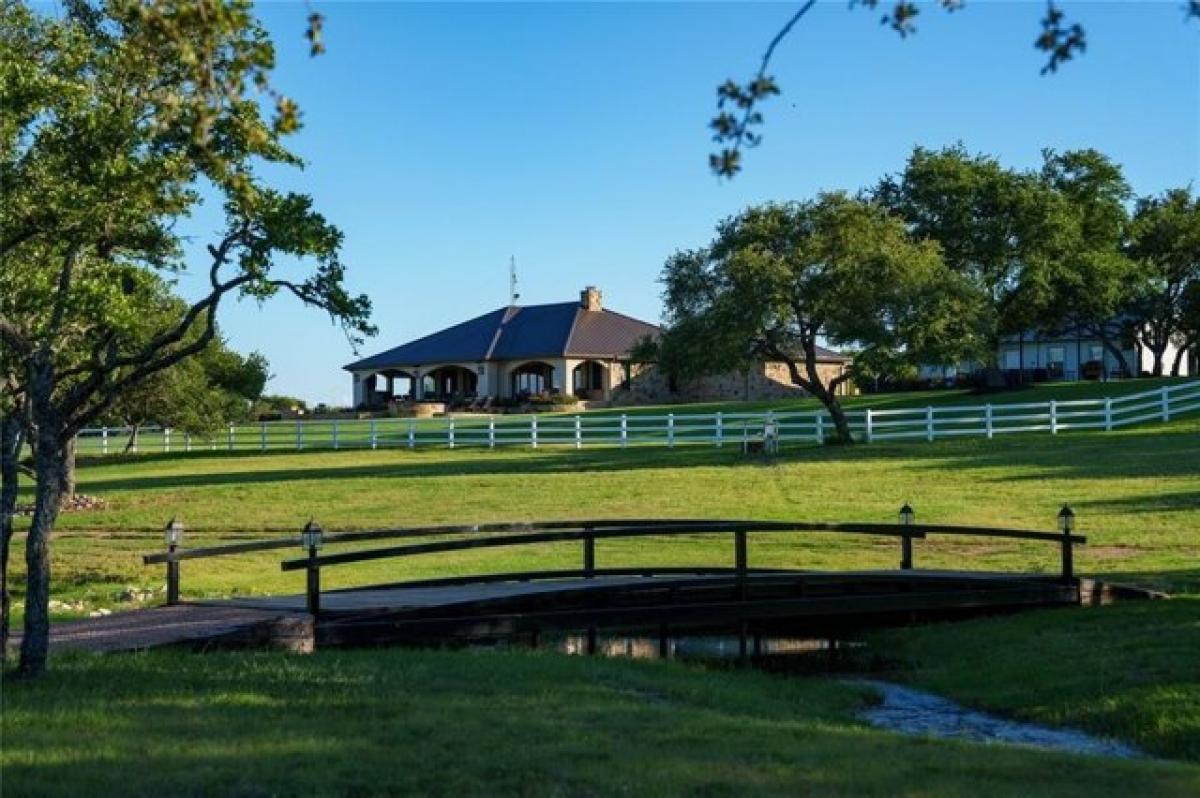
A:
560,377
359,389
483,385
418,385
391,386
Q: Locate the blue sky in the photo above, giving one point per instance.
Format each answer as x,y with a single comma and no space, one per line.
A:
444,138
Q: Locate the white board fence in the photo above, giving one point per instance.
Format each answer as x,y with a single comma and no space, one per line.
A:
611,428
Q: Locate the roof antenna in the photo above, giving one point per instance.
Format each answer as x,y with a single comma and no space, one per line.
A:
512,279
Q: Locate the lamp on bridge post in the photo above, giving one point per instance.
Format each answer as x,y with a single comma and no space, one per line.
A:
311,538
174,536
1066,525
907,517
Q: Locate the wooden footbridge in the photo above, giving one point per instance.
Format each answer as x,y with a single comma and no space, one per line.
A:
590,600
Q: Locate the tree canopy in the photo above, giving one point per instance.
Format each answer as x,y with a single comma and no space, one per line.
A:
780,279
120,118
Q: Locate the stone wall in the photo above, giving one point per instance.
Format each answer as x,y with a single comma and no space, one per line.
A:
769,381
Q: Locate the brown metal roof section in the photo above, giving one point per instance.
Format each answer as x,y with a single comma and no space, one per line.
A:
606,333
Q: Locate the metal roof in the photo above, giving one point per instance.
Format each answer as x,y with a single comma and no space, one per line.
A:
520,333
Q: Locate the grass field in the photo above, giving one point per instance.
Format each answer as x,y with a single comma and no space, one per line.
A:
261,724
435,723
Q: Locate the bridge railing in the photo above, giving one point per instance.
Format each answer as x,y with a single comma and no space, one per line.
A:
587,533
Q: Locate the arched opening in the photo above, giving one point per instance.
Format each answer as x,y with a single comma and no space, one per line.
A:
449,383
588,380
386,386
532,378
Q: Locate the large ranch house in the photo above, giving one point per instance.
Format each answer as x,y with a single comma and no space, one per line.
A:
576,348
570,349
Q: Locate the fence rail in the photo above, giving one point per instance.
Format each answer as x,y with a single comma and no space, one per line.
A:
605,428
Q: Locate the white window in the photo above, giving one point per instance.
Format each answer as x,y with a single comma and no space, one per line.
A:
1096,352
1055,357
1012,359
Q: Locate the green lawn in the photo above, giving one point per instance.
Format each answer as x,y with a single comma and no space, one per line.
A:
1129,671
396,722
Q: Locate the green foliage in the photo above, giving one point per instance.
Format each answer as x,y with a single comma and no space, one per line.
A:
1165,244
116,114
781,278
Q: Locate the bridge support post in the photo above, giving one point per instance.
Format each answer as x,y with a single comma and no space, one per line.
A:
589,571
1066,525
739,561
314,583
174,533
172,578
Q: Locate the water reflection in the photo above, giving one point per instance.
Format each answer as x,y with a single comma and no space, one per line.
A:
698,647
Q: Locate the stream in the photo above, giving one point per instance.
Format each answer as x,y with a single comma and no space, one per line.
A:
910,711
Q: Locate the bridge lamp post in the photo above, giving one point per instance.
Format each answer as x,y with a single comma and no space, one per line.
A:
311,539
1066,525
173,533
907,517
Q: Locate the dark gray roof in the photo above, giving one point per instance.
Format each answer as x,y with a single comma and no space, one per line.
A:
518,333
829,354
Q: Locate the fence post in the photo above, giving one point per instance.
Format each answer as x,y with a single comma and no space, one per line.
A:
1108,421
167,440
374,435
299,434
578,434
450,432
412,433
670,429
624,431
491,432
870,426
231,436
187,441
1165,401
104,440
720,429
1053,417
262,436
987,419
929,422
533,431
335,434
820,427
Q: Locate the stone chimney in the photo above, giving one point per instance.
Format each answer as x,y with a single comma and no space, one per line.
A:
589,298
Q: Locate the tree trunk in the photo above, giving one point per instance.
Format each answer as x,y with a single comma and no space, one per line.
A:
824,394
69,470
1116,352
131,444
10,453
1180,354
840,423
50,460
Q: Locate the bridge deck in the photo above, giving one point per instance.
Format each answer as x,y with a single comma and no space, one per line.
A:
795,602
